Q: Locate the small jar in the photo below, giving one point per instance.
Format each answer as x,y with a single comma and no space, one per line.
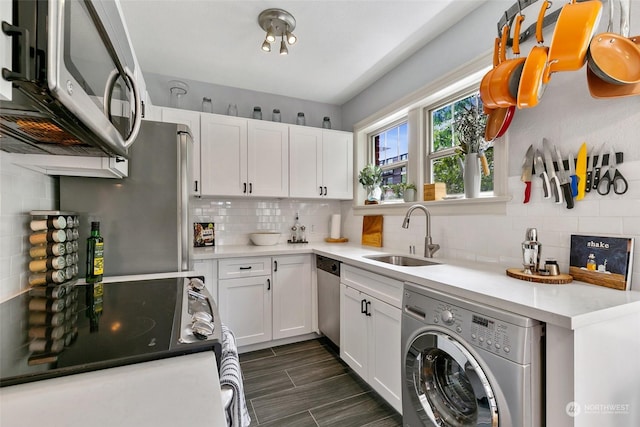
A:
232,110
300,120
326,122
257,113
276,115
207,105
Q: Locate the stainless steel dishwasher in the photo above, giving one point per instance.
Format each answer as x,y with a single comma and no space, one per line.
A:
329,297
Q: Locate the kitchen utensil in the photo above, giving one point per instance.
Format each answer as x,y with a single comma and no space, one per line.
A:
372,230
597,160
572,175
565,180
539,166
484,83
574,29
503,87
527,166
613,57
531,85
612,178
531,250
554,181
581,171
498,122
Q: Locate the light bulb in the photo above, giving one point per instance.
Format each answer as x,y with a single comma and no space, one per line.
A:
266,46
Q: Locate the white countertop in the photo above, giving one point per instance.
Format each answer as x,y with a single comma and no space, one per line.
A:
177,391
569,306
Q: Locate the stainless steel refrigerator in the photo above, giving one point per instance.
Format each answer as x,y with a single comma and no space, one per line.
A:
144,218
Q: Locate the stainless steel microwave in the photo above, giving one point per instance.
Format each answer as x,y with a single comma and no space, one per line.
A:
73,76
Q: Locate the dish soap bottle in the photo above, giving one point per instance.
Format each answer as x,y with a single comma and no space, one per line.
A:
95,255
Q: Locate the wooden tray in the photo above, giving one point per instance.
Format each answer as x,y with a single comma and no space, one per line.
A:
340,240
560,279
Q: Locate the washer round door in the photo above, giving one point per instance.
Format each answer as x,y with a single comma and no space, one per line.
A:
446,384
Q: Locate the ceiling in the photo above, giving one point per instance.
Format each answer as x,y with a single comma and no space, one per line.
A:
343,45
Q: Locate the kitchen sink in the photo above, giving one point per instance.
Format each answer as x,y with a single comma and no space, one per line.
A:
401,260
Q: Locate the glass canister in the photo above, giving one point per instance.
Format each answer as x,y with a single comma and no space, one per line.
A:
300,120
178,91
257,113
232,110
207,105
326,122
276,115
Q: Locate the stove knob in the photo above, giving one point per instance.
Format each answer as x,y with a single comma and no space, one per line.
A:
447,317
196,284
202,330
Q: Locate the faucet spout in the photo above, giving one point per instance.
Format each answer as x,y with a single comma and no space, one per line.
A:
430,248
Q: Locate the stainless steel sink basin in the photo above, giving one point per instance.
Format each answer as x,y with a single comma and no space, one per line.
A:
401,260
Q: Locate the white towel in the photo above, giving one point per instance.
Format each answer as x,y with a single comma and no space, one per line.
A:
231,375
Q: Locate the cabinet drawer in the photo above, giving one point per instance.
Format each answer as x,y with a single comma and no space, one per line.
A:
244,267
384,288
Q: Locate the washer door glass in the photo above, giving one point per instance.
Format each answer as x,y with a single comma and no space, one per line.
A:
449,386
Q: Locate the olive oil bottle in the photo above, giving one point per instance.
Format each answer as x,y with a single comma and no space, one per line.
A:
95,255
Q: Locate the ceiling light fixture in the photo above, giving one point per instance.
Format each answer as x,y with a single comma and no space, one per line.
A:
277,23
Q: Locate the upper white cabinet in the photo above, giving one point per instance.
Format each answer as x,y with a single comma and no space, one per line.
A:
243,157
6,8
191,119
320,163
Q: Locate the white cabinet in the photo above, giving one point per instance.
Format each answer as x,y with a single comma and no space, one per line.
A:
6,8
243,157
263,298
320,163
191,119
292,314
370,340
244,300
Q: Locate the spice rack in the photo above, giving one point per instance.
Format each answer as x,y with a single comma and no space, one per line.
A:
53,271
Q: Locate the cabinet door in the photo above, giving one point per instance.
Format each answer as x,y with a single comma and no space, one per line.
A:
268,159
191,119
245,307
223,155
291,296
337,164
305,162
385,353
353,330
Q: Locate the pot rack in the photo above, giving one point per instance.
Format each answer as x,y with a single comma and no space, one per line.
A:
515,10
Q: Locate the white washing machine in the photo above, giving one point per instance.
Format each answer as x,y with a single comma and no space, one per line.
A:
466,364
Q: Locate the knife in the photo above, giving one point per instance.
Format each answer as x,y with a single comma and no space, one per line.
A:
538,163
563,177
573,176
554,182
527,166
596,168
581,171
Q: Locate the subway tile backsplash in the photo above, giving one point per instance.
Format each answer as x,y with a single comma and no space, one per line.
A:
235,218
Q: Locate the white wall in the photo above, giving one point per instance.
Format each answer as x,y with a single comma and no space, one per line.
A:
567,115
21,191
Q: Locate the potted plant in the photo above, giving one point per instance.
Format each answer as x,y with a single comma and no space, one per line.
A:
371,178
469,126
409,192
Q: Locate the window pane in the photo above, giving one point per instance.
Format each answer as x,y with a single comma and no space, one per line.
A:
448,170
392,145
394,176
442,128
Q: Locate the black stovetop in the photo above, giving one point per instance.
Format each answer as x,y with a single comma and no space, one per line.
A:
134,322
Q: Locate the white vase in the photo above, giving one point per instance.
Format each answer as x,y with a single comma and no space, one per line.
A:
374,193
471,175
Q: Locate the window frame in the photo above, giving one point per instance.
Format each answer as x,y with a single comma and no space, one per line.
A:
410,106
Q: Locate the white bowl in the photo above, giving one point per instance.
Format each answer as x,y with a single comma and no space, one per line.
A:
265,238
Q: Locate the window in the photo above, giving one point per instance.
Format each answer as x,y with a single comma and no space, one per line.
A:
390,150
446,142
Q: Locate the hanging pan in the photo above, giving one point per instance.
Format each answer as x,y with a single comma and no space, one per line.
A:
503,87
484,84
574,29
498,122
531,85
615,58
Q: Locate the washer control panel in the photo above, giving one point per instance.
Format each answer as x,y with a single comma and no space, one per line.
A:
499,332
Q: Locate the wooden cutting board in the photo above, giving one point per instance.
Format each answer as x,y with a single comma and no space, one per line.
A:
560,279
372,230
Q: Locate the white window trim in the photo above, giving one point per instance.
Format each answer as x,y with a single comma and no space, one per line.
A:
411,106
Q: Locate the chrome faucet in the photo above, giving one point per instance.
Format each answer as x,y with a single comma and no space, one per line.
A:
429,247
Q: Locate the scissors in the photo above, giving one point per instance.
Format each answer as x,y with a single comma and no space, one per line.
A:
612,178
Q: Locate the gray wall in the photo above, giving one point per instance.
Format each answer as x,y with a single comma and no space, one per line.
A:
222,96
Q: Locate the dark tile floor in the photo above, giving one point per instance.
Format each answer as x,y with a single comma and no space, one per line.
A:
306,384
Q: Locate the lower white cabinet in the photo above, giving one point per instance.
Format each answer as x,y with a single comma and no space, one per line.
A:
261,299
370,341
